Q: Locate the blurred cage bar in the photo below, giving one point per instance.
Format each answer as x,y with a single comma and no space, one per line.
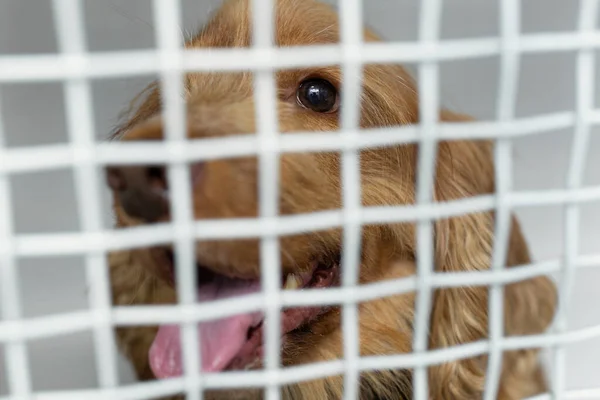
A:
76,67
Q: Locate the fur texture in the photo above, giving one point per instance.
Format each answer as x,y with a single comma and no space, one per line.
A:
222,104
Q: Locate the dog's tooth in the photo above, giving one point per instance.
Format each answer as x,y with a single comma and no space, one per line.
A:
292,282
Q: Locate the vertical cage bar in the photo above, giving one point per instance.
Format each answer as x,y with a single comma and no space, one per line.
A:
263,13
15,357
584,106
167,20
351,31
71,34
69,23
429,26
507,96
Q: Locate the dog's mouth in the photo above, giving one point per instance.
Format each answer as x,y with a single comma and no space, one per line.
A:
236,342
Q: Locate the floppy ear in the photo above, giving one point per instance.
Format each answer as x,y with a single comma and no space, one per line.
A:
465,243
529,308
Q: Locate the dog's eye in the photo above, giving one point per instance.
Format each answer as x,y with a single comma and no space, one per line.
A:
317,95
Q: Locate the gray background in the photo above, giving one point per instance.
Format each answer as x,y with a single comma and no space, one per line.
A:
34,114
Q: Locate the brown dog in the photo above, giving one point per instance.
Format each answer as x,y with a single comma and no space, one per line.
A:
221,104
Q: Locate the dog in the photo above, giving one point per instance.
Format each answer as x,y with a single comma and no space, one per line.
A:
222,104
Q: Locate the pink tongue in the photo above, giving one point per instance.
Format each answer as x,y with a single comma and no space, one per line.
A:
220,340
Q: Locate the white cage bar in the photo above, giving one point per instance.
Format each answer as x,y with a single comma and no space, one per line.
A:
167,17
351,37
68,17
76,67
431,11
18,376
588,13
267,132
508,89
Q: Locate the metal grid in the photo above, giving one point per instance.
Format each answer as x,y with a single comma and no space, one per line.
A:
75,67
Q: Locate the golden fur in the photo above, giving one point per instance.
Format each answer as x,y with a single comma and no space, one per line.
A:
221,104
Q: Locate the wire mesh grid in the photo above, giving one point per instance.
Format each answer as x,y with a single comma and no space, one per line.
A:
75,67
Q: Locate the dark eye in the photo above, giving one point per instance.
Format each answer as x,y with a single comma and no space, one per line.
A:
317,95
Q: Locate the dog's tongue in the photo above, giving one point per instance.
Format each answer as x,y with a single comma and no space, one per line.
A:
220,340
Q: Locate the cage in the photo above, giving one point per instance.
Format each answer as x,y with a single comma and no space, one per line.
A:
526,70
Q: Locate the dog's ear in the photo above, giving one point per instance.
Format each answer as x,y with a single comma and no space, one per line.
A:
465,243
529,308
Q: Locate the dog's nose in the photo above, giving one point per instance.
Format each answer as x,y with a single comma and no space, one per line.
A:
142,191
